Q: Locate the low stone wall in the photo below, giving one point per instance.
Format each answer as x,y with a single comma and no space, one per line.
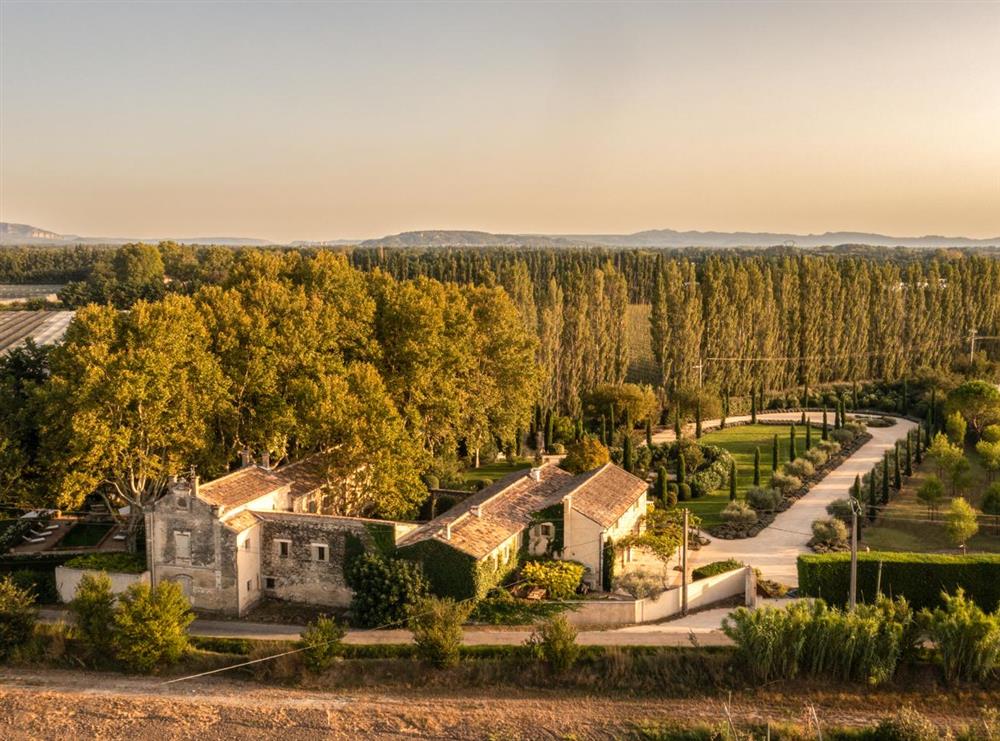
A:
701,593
67,580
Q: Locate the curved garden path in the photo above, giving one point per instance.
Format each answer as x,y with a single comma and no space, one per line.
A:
775,550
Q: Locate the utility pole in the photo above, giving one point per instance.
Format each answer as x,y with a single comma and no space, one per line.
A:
684,566
855,508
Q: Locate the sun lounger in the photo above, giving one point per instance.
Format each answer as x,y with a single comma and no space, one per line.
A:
51,527
26,539
120,536
37,534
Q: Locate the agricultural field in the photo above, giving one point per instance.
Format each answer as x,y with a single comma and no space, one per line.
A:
741,442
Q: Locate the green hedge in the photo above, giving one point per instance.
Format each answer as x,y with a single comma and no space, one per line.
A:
122,563
715,568
450,572
920,577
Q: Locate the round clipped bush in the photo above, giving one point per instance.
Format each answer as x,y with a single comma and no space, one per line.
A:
842,436
830,447
763,499
559,449
800,468
738,513
815,456
683,492
785,483
830,532
840,509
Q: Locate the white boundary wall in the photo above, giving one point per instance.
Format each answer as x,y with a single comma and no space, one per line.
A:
67,580
701,593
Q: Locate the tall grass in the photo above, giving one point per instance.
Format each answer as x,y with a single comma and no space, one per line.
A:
811,639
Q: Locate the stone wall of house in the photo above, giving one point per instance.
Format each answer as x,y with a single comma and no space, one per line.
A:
208,576
300,576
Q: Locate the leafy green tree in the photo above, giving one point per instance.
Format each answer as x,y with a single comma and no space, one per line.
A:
93,609
321,639
585,455
931,492
134,398
977,402
961,524
554,641
436,624
991,502
649,432
956,426
150,626
990,453
17,615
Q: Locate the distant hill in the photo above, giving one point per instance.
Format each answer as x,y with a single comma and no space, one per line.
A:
11,234
24,234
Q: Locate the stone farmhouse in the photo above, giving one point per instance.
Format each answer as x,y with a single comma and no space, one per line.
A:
259,532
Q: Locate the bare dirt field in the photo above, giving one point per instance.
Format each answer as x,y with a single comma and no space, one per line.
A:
44,704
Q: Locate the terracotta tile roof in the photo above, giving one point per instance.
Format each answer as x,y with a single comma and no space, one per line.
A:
305,476
504,508
241,487
606,494
241,521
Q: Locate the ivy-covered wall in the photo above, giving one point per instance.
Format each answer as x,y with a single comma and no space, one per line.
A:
450,572
553,514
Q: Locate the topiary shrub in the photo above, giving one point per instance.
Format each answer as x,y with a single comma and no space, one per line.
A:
841,510
683,492
383,589
321,640
715,568
559,579
436,624
830,447
763,499
150,626
800,468
672,496
554,642
738,513
842,436
18,616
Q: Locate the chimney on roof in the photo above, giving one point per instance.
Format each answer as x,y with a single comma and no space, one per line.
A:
265,460
477,510
194,482
536,473
245,457
447,530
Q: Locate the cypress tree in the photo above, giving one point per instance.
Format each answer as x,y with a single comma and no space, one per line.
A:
611,418
909,456
725,410
678,430
519,436
649,432
628,421
826,426
885,477
753,409
661,486
697,420
791,443
802,419
905,403
920,445
775,454
897,473
628,460
929,424
579,428
548,429
931,414
856,489
732,481
756,466
604,431
681,473
809,436
872,499
854,394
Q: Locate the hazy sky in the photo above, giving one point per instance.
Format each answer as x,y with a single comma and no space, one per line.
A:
321,120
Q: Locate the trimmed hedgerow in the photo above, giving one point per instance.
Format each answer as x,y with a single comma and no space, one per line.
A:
122,563
715,568
920,577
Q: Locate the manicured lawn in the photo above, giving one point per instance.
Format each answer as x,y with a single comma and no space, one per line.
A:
84,535
741,442
906,524
493,471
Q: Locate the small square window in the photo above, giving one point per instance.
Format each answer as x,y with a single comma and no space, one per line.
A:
269,582
547,529
246,544
249,583
284,548
319,552
181,501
